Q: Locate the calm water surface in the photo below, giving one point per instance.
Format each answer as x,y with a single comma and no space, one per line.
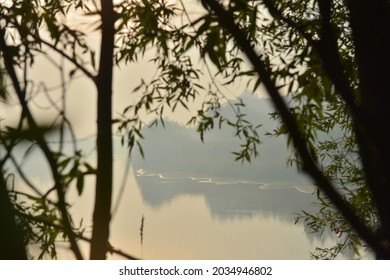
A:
207,218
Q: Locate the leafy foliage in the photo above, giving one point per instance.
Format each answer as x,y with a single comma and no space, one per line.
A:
30,29
322,114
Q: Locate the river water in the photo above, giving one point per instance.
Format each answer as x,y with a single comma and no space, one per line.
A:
196,202
208,218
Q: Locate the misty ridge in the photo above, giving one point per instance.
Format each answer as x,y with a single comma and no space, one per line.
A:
177,163
177,149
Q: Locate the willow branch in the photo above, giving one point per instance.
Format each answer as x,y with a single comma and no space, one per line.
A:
38,39
326,49
77,235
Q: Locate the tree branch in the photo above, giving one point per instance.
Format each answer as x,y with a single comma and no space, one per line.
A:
54,48
42,143
78,235
326,50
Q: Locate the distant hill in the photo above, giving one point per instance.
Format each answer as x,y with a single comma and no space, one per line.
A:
175,149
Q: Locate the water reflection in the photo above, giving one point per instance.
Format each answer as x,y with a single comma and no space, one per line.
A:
225,199
193,219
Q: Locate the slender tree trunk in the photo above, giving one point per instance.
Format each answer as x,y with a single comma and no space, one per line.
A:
103,197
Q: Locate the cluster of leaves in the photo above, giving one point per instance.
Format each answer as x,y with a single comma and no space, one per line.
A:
37,214
30,29
40,221
322,115
342,166
25,22
176,36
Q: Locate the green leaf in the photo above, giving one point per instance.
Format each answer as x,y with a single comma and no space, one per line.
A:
80,183
90,169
